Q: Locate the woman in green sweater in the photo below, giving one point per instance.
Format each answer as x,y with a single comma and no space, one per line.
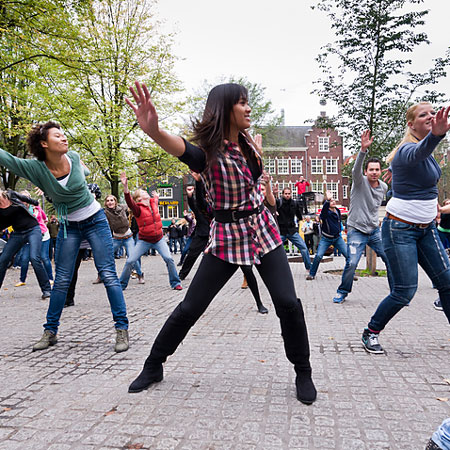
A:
61,175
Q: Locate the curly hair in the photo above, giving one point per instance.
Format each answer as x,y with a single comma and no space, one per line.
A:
38,134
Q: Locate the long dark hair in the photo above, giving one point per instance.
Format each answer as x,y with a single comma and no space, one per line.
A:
213,128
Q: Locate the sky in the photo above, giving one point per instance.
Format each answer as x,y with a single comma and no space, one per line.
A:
274,44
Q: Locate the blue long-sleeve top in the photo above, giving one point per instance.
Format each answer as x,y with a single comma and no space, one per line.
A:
331,221
415,172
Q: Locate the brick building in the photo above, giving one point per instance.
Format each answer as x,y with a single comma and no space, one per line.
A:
311,151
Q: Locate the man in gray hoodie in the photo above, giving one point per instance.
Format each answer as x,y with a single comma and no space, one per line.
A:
367,193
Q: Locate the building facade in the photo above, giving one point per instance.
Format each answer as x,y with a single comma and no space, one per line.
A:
309,151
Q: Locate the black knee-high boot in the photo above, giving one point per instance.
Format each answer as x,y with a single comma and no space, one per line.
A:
170,336
296,344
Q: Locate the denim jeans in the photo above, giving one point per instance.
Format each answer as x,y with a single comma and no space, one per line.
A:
142,247
97,232
324,243
25,260
15,242
51,250
405,247
356,243
173,245
129,245
297,240
186,248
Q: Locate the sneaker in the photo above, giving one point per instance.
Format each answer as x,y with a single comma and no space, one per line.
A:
47,340
134,275
370,342
177,287
141,279
121,341
310,277
437,304
339,298
45,295
20,284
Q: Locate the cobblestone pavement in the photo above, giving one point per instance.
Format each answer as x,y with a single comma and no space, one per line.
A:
229,385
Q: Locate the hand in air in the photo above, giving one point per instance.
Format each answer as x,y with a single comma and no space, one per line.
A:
439,124
144,109
366,140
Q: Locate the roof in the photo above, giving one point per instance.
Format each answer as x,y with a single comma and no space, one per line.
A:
287,136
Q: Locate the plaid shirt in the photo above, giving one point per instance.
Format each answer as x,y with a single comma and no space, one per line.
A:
229,184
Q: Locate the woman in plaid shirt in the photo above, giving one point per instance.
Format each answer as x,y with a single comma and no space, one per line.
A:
243,232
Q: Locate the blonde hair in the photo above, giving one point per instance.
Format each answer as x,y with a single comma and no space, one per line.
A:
408,136
137,194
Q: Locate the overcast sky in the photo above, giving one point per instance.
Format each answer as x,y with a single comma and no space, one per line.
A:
272,43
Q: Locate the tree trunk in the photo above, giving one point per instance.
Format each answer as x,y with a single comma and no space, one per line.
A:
371,260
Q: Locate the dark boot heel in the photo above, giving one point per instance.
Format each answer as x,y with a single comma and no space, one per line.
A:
306,391
147,377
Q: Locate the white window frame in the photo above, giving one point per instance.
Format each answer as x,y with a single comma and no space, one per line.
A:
344,191
315,164
165,193
334,188
269,166
331,166
171,209
161,211
283,166
296,166
324,143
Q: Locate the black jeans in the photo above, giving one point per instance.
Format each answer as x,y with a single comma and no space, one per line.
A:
211,276
198,244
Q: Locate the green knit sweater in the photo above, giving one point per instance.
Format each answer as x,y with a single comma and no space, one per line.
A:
66,199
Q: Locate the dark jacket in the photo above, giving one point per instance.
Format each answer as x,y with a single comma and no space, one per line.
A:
287,211
203,214
18,200
331,221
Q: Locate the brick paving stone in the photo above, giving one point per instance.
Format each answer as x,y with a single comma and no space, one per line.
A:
229,384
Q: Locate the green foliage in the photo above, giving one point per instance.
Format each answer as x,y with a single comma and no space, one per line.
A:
264,119
73,62
366,70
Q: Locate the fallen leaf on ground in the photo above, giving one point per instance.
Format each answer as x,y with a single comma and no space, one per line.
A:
442,399
111,411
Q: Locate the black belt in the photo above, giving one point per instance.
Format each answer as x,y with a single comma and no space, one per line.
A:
233,215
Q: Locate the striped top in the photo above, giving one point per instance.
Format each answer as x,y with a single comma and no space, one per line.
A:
232,183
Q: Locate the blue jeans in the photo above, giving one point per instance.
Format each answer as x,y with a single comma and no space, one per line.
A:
356,243
405,247
129,245
25,260
297,240
97,232
324,243
186,248
17,239
173,245
141,248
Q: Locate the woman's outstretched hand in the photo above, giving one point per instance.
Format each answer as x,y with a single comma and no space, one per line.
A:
439,124
147,118
144,109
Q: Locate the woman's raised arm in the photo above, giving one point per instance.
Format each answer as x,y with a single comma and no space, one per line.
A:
147,118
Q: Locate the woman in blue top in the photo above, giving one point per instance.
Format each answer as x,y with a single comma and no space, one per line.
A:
61,175
409,232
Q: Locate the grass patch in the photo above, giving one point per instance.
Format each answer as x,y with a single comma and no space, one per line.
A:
360,272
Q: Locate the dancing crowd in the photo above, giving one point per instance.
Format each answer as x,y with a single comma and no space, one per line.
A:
235,219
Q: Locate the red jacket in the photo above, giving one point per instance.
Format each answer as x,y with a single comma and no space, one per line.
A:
147,218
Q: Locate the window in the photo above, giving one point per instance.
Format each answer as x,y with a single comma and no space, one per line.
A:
316,166
332,165
161,211
296,166
165,193
283,166
317,186
269,165
172,211
333,187
345,191
324,144
293,190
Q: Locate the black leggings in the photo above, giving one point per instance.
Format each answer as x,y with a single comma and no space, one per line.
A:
211,276
252,283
